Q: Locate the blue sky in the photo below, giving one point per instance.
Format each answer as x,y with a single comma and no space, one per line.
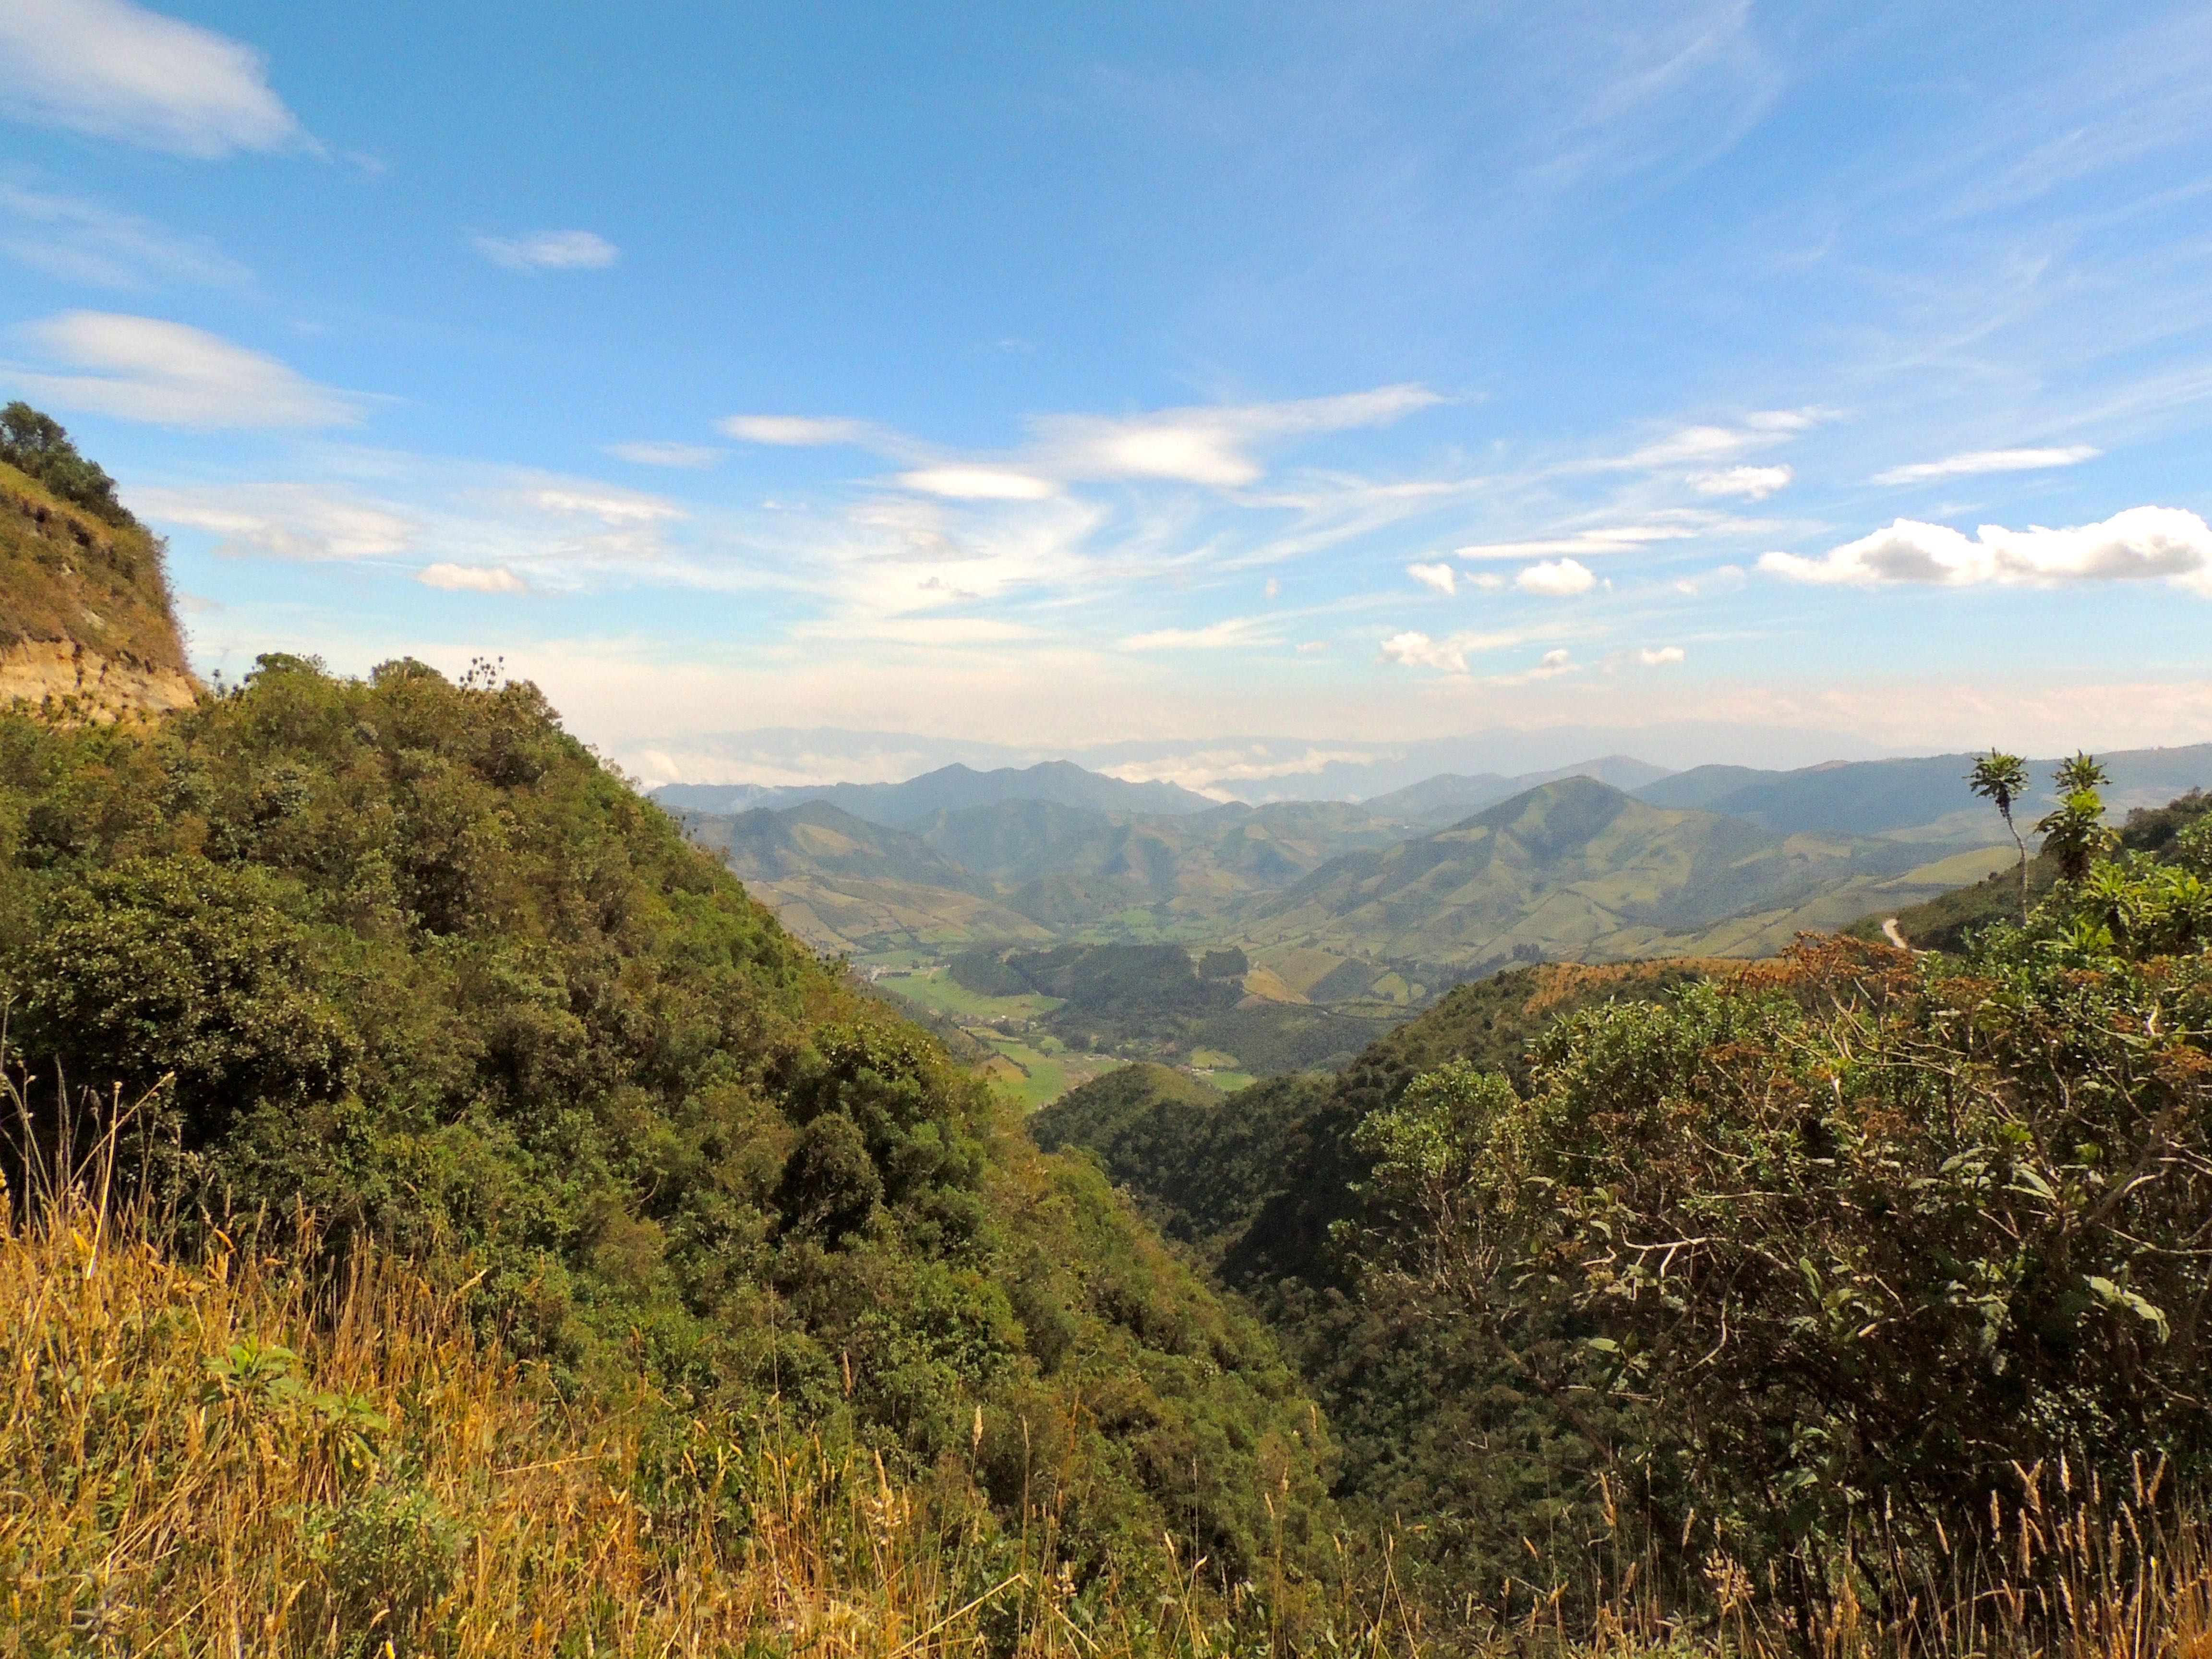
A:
1208,388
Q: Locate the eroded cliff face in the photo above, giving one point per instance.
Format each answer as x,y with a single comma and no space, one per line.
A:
86,630
68,680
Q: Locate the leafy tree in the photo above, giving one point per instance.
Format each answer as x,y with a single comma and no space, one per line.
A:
2075,833
2002,778
38,445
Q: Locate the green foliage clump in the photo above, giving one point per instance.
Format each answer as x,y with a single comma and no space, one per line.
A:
401,954
1849,1233
37,445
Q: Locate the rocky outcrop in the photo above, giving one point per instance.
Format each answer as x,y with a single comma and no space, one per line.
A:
87,630
64,681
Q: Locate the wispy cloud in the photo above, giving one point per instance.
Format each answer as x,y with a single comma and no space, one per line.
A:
799,430
550,250
142,369
1752,484
1234,632
117,70
1988,460
1207,444
1440,577
78,241
978,483
695,457
471,579
284,521
1611,539
2140,544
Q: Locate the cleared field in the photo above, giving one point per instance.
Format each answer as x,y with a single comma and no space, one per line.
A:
934,989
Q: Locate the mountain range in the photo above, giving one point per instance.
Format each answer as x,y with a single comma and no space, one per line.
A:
1391,898
910,804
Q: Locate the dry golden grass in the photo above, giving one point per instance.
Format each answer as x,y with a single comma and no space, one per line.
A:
225,1458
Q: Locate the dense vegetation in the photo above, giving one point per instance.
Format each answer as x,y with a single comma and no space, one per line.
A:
1782,1264
1440,1440
400,954
1155,998
36,444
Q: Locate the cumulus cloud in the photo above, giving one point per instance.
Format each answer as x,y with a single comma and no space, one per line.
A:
2141,543
978,483
549,250
117,70
471,579
1665,656
141,369
81,241
1988,460
694,456
1440,577
283,520
1752,484
1557,578
796,431
1208,445
1412,649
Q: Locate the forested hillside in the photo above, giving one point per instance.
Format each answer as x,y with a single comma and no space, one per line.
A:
396,959
1823,1256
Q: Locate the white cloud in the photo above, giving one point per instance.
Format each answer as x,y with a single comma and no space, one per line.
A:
471,579
1440,577
117,70
283,521
694,456
1557,578
142,369
1616,538
1753,483
1665,656
1417,650
81,241
604,503
550,250
1221,635
1988,460
978,483
2141,543
1694,444
1558,661
1208,445
796,431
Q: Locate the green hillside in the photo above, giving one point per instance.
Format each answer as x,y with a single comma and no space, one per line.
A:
1578,869
847,886
399,954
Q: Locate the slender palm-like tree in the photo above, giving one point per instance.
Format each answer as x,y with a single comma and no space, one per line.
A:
2075,834
2001,779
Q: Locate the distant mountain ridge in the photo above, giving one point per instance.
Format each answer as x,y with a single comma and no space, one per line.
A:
1872,797
915,803
1451,796
1580,871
